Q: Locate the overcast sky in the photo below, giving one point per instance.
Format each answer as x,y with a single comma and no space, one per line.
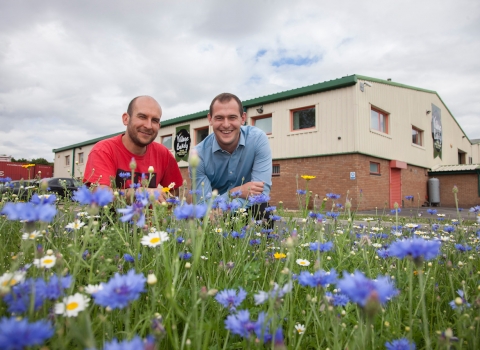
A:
69,68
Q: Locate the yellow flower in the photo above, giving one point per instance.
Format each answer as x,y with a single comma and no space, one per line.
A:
166,189
26,166
279,256
308,177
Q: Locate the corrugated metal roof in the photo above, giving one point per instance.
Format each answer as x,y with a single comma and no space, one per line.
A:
456,167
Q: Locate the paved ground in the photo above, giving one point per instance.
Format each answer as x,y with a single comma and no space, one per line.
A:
450,213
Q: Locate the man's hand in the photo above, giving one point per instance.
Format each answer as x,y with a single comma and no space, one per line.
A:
249,189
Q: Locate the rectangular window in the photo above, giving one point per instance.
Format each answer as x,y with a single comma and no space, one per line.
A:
67,160
80,158
200,134
275,169
374,168
167,141
263,123
303,118
417,136
462,157
379,120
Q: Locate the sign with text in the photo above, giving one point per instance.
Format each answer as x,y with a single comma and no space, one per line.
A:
437,131
352,175
182,141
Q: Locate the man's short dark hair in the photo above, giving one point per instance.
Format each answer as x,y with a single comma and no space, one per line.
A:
224,98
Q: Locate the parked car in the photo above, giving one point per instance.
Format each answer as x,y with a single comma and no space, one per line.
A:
61,186
21,188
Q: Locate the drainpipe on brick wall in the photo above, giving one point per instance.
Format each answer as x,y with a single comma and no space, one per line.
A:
478,186
73,163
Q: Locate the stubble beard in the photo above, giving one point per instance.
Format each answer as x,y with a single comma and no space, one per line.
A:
132,133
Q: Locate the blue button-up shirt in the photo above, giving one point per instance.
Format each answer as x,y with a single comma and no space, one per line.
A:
220,170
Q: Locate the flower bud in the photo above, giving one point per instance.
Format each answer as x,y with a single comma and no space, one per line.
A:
194,160
151,169
151,279
133,164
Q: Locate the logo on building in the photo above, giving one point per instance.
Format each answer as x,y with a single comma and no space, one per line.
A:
437,131
181,145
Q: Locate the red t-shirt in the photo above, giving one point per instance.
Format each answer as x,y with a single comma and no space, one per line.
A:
109,159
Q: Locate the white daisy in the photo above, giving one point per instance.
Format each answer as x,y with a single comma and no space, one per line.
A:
302,262
154,239
93,288
72,305
10,279
31,235
300,328
76,225
48,261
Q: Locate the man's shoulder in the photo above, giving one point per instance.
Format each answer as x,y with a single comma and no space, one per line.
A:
252,132
159,148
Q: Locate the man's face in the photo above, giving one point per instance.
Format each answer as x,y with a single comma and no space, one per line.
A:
144,123
226,121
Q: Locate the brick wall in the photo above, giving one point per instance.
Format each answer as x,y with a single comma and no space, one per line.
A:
467,190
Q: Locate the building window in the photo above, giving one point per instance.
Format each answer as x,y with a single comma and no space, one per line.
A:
67,160
200,134
374,168
275,169
379,120
263,123
303,118
462,157
417,136
167,141
80,158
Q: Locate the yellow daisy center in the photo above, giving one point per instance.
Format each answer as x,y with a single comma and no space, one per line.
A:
72,306
303,263
155,240
11,282
48,261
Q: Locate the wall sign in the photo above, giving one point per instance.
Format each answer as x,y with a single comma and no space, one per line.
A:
181,145
352,175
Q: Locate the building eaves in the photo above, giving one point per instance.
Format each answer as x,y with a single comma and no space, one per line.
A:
454,168
85,143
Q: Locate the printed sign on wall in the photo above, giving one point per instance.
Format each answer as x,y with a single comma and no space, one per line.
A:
437,131
181,145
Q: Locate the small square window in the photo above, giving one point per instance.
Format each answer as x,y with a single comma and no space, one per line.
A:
378,120
167,141
200,134
374,168
263,123
67,160
303,118
417,136
80,158
275,169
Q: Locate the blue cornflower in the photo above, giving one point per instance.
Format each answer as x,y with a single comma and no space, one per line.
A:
408,198
254,242
128,258
135,186
333,196
240,324
120,290
319,278
361,289
235,193
230,299
448,228
432,211
229,206
190,211
400,344
184,256
393,211
463,248
435,227
125,175
36,199
417,248
258,199
85,254
275,217
133,212
19,298
196,192
173,200
277,292
301,192
475,209
397,228
333,214
217,201
55,286
460,302
134,344
337,299
235,234
5,179
29,212
19,334
322,247
180,239
269,209
339,205
101,196
383,253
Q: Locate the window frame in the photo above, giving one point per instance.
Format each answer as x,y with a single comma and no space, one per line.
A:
273,166
67,160
80,158
265,116
386,121
201,128
292,112
164,136
370,168
419,134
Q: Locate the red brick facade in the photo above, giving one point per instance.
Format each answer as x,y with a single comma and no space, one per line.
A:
467,185
332,173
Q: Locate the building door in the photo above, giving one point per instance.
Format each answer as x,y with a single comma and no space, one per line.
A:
395,187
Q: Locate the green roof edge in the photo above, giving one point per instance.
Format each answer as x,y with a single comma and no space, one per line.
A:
86,143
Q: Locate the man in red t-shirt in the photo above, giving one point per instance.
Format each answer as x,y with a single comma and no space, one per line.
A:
109,162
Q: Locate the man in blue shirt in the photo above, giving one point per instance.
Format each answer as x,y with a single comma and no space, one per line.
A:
235,158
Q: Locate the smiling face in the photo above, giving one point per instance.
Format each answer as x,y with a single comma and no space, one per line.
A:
142,125
226,121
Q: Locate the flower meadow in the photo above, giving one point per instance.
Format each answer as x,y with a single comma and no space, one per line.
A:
103,270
